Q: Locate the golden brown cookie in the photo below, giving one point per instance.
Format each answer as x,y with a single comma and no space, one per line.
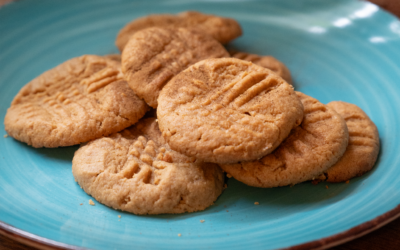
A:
221,28
82,99
227,110
363,148
154,55
268,62
115,57
136,171
310,149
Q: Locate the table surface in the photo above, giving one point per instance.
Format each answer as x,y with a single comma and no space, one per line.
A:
387,237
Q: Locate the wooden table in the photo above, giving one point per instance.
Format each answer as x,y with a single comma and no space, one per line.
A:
385,238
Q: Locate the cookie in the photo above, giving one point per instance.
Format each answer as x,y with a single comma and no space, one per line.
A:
268,62
136,171
155,55
115,57
227,110
82,99
221,28
310,149
363,148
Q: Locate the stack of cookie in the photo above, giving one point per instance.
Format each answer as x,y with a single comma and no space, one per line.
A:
211,111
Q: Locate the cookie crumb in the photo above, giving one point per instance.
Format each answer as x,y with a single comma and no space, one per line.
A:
315,182
119,216
179,235
81,204
91,202
156,120
327,187
228,175
256,203
5,136
348,181
227,210
202,221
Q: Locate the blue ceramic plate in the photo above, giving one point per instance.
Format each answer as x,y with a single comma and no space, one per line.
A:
336,50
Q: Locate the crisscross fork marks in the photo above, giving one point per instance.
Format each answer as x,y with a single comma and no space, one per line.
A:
362,131
315,107
364,134
101,79
362,141
145,157
265,85
361,136
318,117
353,117
242,86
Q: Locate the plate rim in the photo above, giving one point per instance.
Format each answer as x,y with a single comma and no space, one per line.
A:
33,240
353,233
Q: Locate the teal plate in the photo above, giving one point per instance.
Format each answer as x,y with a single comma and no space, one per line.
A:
336,50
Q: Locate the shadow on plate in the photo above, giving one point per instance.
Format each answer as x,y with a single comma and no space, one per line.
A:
62,153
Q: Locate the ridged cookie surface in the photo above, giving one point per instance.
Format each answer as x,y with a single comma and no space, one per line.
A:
136,171
363,148
310,149
82,99
268,62
227,110
221,28
115,57
154,56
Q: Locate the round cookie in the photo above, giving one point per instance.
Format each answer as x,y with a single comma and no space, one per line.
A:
82,99
363,148
268,62
309,150
221,29
136,171
227,110
155,55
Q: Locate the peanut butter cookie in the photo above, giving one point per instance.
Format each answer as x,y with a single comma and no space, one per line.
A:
115,57
221,28
136,171
363,148
268,62
310,149
154,55
80,100
227,110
